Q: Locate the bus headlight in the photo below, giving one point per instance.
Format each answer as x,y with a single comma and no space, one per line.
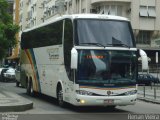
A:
132,92
83,92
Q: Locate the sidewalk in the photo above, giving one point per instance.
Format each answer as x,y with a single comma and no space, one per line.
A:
11,102
149,94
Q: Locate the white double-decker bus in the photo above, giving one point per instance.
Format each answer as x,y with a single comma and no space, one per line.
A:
84,60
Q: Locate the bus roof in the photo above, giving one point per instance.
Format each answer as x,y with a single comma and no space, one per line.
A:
80,16
95,16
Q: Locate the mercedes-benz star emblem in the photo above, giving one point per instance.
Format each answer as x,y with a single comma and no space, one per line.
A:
108,93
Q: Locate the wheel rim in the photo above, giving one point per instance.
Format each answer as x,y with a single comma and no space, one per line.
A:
28,92
60,97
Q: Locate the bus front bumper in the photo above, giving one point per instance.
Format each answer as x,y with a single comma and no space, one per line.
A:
84,100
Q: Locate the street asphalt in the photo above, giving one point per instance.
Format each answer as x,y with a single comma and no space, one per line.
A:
12,102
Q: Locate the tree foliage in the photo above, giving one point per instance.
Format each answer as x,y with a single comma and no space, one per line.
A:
8,30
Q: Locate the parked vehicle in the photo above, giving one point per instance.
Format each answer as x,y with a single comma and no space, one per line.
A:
3,67
147,79
2,71
9,75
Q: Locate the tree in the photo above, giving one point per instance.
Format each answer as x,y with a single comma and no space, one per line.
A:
8,30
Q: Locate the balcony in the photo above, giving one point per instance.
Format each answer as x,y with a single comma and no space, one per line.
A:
102,1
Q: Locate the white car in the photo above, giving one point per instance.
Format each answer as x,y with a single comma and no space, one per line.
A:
3,67
9,74
2,71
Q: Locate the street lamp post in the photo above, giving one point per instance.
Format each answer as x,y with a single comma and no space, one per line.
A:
157,62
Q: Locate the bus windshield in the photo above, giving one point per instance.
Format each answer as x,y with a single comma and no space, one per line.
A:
101,67
104,33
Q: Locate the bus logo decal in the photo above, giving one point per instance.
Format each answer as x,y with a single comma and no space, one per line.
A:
53,53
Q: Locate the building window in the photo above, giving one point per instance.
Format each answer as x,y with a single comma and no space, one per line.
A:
53,9
77,6
49,12
83,10
102,10
21,27
106,10
147,11
113,10
151,11
143,37
119,10
143,11
20,17
110,10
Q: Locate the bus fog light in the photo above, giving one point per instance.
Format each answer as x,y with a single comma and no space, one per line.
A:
82,101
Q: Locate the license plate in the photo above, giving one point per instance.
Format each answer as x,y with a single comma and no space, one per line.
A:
109,101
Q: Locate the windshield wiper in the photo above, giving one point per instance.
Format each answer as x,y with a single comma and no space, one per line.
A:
116,42
97,44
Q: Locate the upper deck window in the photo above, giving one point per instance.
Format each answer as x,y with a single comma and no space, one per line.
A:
43,36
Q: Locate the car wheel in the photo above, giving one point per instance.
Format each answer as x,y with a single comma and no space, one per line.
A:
5,79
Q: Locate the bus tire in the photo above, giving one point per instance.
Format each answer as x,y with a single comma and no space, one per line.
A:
112,107
27,88
60,96
17,84
30,90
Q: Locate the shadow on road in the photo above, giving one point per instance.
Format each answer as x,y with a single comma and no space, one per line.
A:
93,109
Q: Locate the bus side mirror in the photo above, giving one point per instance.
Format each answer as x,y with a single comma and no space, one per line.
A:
74,58
144,59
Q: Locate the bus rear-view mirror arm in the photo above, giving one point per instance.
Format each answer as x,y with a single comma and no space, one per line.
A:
74,58
144,59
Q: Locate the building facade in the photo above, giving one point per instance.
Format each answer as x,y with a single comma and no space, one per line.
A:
15,51
143,14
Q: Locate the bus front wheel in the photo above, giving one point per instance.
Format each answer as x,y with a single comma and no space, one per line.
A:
60,97
112,107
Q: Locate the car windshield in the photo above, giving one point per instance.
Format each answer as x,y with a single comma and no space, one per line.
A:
101,67
104,33
10,70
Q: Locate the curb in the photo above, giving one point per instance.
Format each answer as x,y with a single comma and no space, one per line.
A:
11,102
149,100
16,108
